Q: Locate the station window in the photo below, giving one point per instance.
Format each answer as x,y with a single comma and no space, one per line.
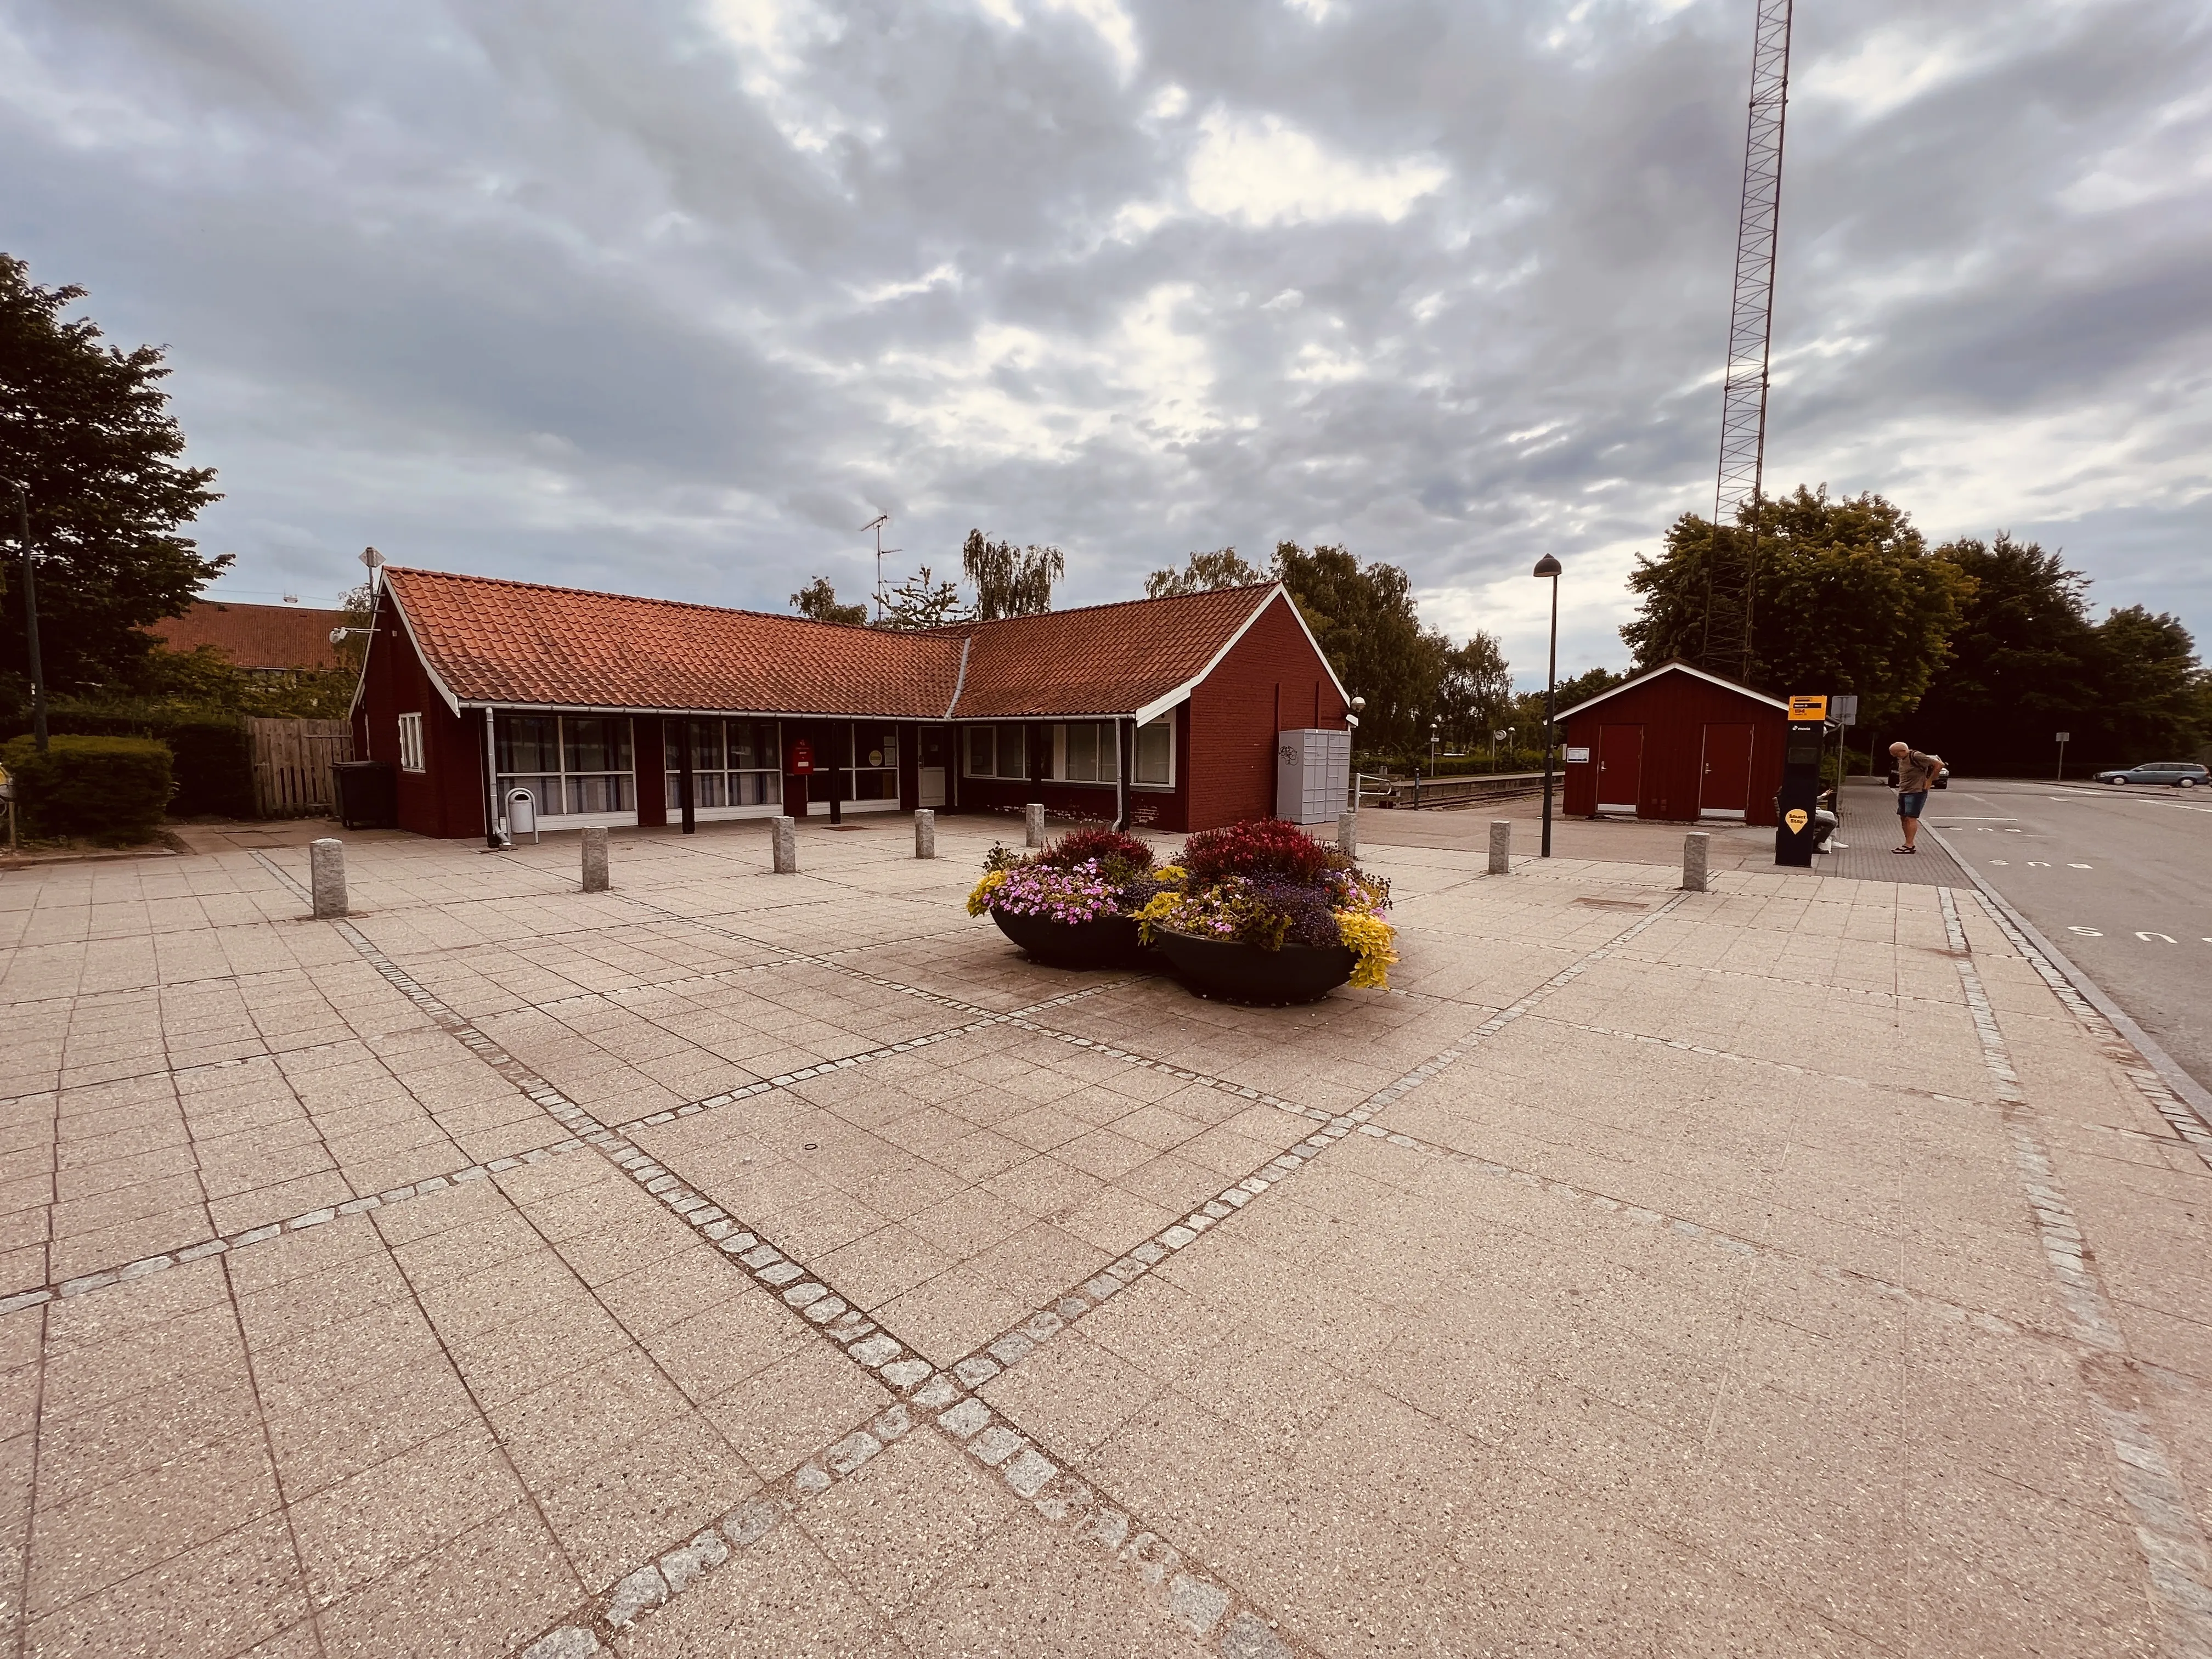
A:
411,742
1084,753
573,765
875,763
734,763
1156,751
997,751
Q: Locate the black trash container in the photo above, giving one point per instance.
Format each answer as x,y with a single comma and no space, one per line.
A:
368,794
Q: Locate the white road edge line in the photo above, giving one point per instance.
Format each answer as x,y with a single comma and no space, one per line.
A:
2184,1085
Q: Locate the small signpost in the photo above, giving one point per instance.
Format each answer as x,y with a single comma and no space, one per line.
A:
1845,711
2063,737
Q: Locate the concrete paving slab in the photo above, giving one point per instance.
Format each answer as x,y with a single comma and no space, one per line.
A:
509,1268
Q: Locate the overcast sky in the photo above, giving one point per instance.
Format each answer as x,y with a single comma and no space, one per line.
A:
670,296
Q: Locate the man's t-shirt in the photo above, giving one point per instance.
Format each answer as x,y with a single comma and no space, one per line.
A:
1916,772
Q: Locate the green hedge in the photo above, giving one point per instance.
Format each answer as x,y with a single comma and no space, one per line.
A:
214,759
112,790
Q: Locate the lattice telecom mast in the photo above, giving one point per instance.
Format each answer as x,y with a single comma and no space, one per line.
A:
1731,573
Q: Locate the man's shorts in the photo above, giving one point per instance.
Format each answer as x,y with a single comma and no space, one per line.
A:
1909,801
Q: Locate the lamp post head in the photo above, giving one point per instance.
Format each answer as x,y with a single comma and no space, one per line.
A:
1359,705
1547,566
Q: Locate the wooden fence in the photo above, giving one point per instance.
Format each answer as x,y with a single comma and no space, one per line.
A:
292,765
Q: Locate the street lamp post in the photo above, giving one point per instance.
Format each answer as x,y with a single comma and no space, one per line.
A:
1548,566
1436,736
30,613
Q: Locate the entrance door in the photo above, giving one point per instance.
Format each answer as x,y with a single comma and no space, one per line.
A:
1620,768
800,757
1724,783
930,772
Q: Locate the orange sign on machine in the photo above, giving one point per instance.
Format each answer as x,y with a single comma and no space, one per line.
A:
1809,708
802,756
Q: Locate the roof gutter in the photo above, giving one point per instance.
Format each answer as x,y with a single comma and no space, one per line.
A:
960,680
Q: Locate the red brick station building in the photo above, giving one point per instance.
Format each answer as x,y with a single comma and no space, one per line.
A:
1157,712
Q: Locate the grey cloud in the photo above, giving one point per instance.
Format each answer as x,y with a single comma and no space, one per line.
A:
901,259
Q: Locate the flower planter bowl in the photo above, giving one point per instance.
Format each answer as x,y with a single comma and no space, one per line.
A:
1230,971
1107,942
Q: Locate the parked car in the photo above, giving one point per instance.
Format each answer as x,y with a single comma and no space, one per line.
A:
2179,775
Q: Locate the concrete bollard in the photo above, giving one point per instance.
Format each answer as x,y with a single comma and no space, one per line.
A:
1034,813
1695,846
1501,846
924,834
1347,834
783,834
326,876
595,859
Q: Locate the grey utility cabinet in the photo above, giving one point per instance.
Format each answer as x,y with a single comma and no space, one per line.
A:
1312,775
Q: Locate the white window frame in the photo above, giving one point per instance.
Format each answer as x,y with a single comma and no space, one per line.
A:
410,744
562,820
853,802
1109,739
1167,722
768,808
992,726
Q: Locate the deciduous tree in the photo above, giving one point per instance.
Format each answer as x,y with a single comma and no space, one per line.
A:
1203,573
1009,580
87,427
1848,598
817,601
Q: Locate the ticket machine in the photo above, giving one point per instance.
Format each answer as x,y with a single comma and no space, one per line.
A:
1795,828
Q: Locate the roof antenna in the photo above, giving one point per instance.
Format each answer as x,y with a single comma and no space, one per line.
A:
877,524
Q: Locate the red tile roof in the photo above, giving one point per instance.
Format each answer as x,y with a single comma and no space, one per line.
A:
1104,658
254,635
524,644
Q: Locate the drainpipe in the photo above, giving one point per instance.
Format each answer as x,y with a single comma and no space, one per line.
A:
493,838
1124,741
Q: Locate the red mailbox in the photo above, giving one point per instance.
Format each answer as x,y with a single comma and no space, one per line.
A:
802,757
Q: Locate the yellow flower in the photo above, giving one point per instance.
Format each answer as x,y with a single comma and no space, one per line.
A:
1161,907
1174,873
979,900
1374,943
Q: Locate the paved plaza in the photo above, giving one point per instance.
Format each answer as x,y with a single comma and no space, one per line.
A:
743,1264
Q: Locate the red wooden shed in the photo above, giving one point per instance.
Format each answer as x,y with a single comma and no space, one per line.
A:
1675,741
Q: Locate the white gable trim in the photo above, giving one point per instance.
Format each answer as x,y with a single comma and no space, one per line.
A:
1646,678
1160,705
437,680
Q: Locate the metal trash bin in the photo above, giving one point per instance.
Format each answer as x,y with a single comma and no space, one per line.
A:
522,815
367,793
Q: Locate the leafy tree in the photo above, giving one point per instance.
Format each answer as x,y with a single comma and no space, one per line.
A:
1203,573
1475,691
817,601
921,602
1848,598
2020,665
1364,618
1009,580
2151,699
1528,710
86,428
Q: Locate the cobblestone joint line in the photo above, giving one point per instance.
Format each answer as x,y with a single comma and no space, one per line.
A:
1060,1496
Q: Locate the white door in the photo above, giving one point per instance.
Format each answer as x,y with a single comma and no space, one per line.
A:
932,782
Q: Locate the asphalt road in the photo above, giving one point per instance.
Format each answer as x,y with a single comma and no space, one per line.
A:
2120,879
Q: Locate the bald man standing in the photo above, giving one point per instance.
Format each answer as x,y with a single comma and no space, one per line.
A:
1916,775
